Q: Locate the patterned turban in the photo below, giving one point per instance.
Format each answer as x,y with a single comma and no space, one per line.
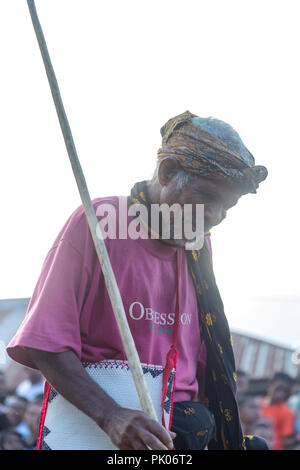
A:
212,148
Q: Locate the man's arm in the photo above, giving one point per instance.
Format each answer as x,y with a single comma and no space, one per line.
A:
127,429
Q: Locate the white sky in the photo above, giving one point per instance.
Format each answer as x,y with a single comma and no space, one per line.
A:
124,68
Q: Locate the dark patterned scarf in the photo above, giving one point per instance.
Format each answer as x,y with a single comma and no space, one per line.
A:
220,379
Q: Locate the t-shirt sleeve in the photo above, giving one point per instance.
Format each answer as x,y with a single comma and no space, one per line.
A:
52,320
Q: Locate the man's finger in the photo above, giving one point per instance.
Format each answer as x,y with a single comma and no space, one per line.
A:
152,441
161,433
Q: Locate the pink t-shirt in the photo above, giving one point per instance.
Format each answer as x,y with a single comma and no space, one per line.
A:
70,307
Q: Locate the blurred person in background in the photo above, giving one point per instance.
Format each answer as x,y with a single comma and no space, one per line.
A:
11,440
13,414
31,418
15,411
249,410
33,386
274,406
242,381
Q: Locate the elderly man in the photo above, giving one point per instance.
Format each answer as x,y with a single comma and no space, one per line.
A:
70,321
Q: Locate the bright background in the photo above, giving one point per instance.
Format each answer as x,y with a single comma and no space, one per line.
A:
124,68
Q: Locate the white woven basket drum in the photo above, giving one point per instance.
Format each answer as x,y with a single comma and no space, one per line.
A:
65,427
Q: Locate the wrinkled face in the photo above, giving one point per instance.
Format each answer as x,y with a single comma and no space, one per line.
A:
217,198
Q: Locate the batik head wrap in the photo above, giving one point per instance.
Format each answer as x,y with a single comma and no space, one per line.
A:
210,147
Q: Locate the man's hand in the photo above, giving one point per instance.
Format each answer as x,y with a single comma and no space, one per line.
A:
134,430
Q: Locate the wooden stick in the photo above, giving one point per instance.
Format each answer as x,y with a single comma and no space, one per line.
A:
111,284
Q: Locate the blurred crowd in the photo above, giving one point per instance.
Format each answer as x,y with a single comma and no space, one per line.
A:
20,411
274,416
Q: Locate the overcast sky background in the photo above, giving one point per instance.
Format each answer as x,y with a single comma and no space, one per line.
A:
124,68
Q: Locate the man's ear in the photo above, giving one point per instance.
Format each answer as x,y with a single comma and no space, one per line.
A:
167,170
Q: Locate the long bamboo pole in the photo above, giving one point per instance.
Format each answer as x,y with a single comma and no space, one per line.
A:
111,284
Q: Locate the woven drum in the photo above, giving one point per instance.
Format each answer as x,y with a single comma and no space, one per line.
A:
65,427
